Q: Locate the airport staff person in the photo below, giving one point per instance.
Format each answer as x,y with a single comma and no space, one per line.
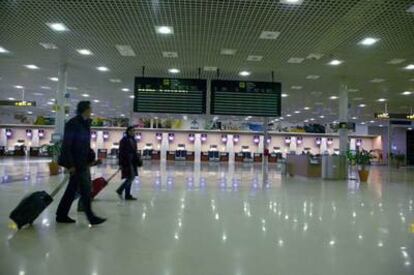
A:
77,156
129,160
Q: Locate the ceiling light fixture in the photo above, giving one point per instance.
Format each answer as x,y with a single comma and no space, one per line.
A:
102,68
381,99
125,89
170,54
228,51
115,80
132,96
18,86
173,71
396,61
164,29
368,41
11,98
291,2
54,79
125,50
409,67
406,93
84,52
335,62
362,105
59,27
48,46
3,50
306,108
333,97
210,68
96,100
269,35
244,73
322,116
45,87
32,67
255,58
85,95
285,95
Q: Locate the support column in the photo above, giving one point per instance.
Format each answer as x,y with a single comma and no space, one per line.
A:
343,117
389,142
265,172
197,148
60,99
35,138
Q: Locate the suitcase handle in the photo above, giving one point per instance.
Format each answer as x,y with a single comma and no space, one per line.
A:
113,175
60,185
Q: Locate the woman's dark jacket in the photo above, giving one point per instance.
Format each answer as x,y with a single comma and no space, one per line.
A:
128,157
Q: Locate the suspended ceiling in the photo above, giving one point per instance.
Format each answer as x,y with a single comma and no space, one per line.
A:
312,33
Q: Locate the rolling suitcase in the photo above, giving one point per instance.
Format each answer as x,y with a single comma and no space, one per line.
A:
33,205
100,183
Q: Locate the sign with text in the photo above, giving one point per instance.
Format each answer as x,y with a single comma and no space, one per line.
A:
170,95
394,116
246,98
17,103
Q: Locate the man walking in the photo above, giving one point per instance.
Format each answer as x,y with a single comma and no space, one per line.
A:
77,156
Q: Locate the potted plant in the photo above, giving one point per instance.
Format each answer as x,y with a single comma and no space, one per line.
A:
54,149
363,160
398,159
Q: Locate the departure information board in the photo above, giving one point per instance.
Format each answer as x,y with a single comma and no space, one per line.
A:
245,98
170,95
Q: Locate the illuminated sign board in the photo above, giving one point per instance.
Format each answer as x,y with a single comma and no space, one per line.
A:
394,116
17,103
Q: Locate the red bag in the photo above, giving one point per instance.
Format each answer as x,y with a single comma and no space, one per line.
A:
100,183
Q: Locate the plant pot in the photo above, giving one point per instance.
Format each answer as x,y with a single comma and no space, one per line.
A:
363,175
53,168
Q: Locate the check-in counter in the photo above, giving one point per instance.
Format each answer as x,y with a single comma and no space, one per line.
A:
304,165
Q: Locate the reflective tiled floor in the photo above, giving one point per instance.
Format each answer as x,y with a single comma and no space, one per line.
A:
216,219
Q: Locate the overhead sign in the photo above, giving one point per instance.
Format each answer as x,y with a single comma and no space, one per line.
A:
170,95
245,98
394,116
17,103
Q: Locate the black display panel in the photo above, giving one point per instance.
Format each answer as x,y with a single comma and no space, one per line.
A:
170,95
245,98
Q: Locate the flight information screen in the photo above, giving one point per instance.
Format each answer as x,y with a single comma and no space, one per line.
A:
170,95
245,98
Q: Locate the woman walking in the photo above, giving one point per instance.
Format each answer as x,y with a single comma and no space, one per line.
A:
129,160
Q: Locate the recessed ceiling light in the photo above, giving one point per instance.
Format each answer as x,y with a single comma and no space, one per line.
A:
255,58
85,95
288,115
322,116
297,112
381,99
306,121
3,50
96,100
269,35
228,51
173,71
377,80
291,2
125,50
164,29
363,123
306,108
411,9
244,73
368,41
314,56
362,105
396,61
122,115
354,117
409,67
170,54
59,27
296,87
11,98
125,89
333,97
285,95
32,67
45,87
295,60
29,112
132,96
54,79
406,93
50,103
312,119
210,68
18,86
102,68
115,80
335,62
48,46
313,76
84,52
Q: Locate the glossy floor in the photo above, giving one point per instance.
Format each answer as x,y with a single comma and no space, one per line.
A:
216,219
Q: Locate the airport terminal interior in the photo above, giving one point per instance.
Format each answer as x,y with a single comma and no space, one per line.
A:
272,136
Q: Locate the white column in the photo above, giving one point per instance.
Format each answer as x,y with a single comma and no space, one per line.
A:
293,145
60,99
197,147
261,146
324,145
230,148
164,146
352,144
3,137
389,142
99,140
35,138
343,117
